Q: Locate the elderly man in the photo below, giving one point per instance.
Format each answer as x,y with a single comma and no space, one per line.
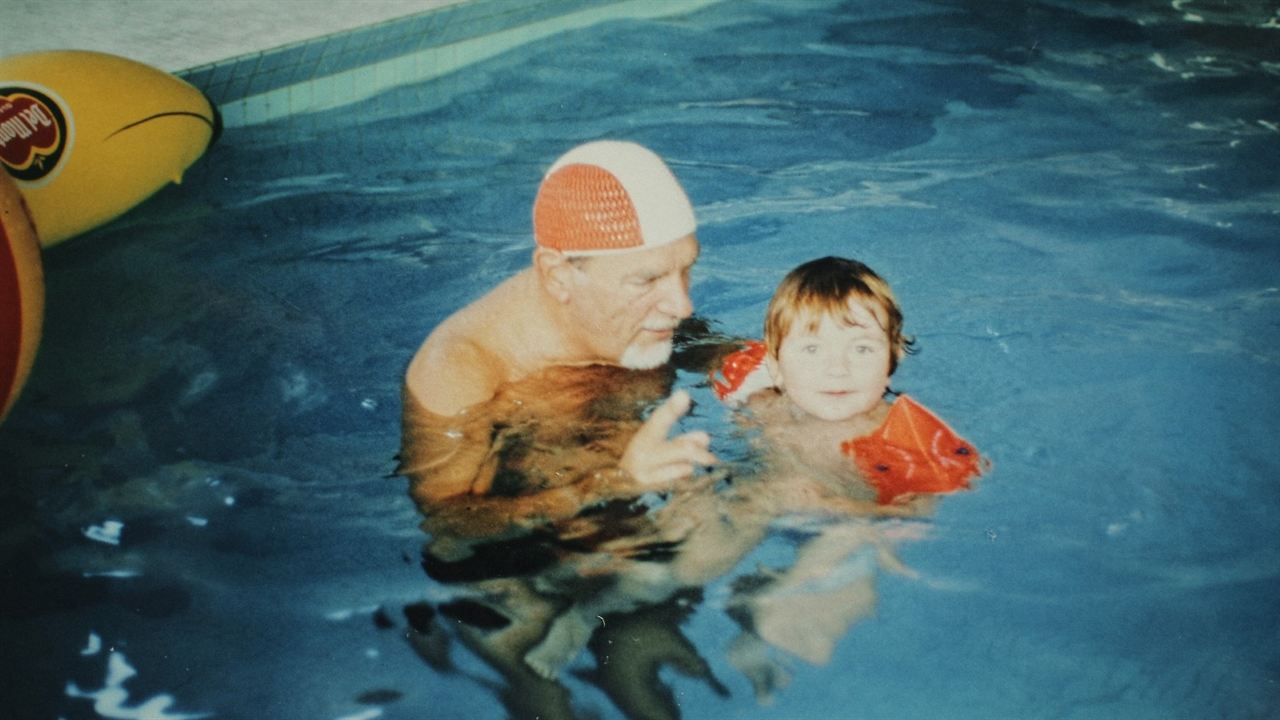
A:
608,284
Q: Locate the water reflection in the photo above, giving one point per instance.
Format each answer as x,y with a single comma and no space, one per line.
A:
546,564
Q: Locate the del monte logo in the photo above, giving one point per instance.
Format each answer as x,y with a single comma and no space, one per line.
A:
33,132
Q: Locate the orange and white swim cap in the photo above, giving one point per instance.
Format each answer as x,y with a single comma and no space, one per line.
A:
609,196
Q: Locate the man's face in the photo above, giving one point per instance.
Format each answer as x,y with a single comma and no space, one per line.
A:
834,370
628,304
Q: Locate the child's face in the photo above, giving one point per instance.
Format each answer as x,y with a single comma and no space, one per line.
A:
836,371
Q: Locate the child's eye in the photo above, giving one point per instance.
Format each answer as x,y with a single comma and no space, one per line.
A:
810,349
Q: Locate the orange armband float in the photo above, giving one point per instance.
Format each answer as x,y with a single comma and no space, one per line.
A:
742,373
914,451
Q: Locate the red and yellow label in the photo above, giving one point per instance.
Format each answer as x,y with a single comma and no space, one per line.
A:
33,133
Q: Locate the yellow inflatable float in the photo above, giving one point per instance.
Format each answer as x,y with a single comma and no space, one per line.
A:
87,135
84,137
21,294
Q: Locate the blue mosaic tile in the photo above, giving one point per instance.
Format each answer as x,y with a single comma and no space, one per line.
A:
314,61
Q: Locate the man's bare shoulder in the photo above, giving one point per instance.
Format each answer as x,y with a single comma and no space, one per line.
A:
468,356
453,370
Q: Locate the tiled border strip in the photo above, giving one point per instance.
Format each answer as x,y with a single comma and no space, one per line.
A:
347,67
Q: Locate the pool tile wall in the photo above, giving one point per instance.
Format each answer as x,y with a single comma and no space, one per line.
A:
346,67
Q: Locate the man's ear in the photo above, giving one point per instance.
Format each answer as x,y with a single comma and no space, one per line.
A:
554,272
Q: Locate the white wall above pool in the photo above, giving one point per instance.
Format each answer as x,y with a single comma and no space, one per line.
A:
179,34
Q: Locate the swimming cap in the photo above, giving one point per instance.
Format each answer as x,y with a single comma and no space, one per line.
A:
610,196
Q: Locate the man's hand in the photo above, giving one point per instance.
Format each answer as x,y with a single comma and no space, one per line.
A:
656,462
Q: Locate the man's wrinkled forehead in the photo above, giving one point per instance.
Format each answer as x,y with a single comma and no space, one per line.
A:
679,255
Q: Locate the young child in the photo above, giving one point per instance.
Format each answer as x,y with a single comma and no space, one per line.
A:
836,456
832,338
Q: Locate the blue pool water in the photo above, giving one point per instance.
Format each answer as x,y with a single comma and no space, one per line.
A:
1076,203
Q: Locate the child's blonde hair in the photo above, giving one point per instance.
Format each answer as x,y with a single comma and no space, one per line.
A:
825,287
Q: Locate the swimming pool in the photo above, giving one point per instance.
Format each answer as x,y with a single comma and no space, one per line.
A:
1077,206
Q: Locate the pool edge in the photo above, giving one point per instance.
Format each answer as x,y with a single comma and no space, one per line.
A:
350,66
